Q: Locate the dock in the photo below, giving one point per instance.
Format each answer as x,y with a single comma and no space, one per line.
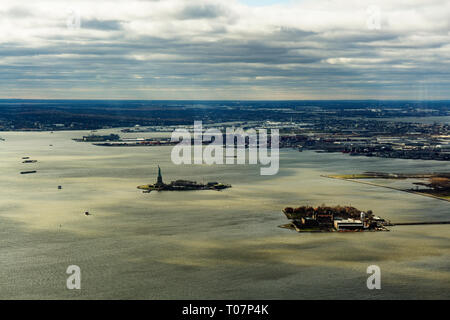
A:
419,223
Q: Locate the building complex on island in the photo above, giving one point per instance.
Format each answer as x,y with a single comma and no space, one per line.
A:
324,218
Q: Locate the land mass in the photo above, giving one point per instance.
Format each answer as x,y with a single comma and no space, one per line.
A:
181,185
435,185
328,219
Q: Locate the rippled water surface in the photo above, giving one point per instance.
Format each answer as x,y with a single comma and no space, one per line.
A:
205,244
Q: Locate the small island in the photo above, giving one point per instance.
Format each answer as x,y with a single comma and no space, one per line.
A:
98,138
181,185
330,219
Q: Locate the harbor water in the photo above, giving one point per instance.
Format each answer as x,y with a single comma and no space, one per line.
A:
205,244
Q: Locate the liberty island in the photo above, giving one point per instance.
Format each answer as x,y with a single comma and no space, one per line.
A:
181,185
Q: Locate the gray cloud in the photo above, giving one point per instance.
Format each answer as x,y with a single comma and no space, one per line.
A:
208,49
202,11
18,12
102,25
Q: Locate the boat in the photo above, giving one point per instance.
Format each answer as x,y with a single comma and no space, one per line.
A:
27,172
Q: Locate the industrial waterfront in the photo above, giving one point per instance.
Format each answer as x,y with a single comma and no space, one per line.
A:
206,244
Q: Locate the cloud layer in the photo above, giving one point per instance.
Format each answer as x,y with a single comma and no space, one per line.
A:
209,49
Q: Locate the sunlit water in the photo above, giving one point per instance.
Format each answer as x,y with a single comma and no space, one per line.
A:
205,244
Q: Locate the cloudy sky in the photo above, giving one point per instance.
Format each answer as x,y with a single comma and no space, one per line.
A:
233,49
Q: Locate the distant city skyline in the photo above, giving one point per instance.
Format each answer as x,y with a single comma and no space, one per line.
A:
225,50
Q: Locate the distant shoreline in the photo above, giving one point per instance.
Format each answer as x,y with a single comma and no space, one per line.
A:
354,179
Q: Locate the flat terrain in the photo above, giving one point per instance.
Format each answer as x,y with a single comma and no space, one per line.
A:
354,178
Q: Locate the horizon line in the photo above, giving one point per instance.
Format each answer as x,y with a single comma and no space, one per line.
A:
231,100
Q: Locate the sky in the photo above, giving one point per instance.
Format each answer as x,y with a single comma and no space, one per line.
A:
234,49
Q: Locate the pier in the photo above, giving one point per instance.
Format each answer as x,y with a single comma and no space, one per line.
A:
419,223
